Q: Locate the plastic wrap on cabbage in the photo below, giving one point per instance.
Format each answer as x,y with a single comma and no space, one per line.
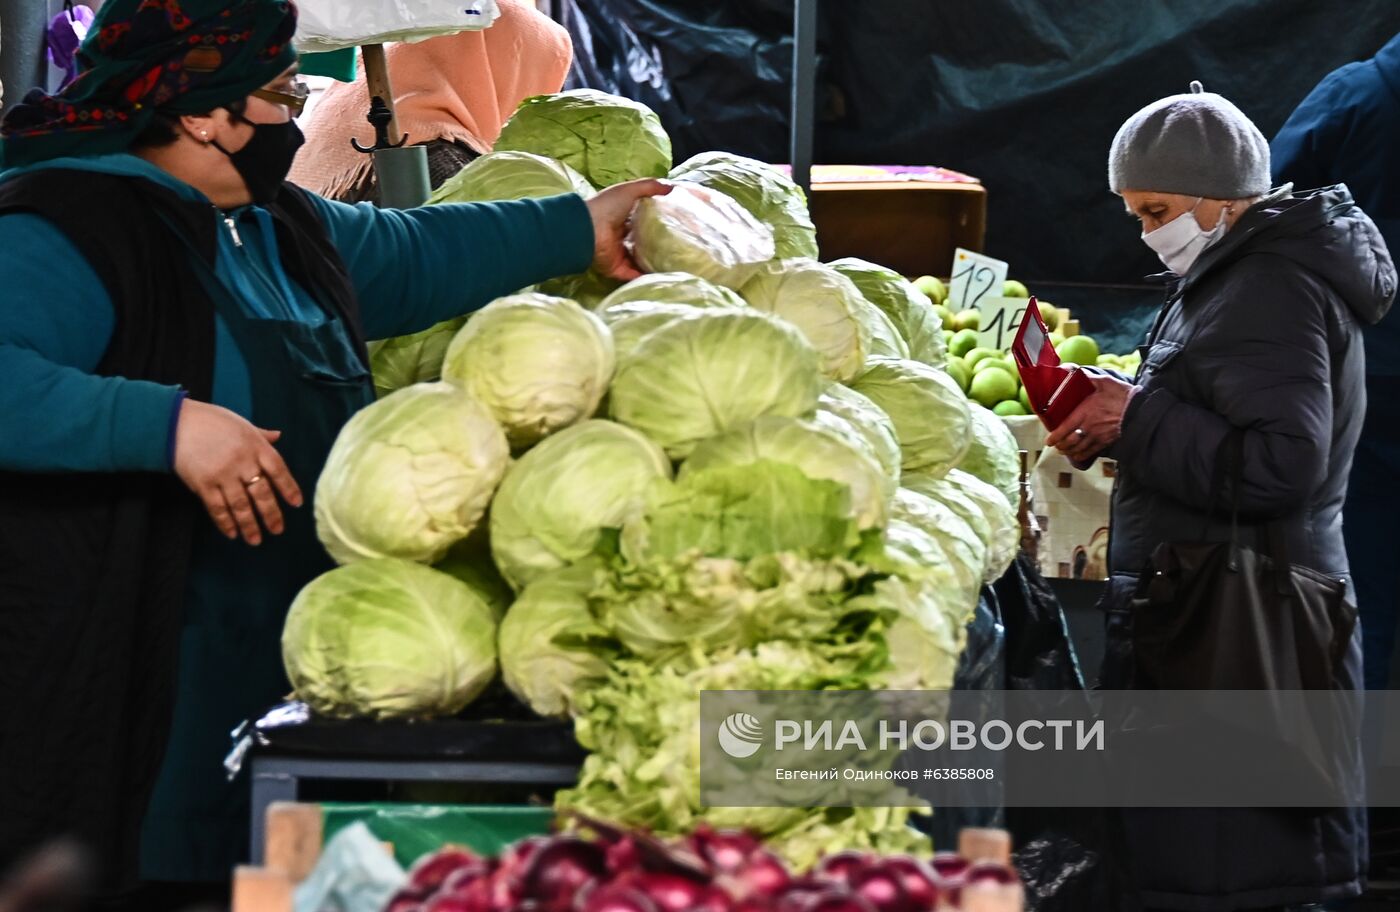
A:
993,455
674,288
769,195
818,452
960,490
539,363
410,475
824,305
702,375
606,138
511,176
909,309
696,230
470,561
559,499
550,644
743,512
417,358
388,638
928,408
842,407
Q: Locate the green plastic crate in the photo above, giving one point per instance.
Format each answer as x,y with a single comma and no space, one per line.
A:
418,829
341,65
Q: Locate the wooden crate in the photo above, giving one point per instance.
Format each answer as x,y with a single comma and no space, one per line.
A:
912,227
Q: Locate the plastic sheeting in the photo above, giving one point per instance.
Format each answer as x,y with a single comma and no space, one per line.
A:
1025,94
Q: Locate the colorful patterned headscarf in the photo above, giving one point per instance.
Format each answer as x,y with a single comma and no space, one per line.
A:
175,56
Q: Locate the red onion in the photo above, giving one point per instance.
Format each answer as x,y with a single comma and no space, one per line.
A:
407,900
613,898
762,874
918,879
431,871
839,868
622,856
883,888
830,898
949,865
556,872
723,850
675,893
990,872
457,902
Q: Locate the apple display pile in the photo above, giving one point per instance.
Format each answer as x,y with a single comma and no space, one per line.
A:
989,376
709,871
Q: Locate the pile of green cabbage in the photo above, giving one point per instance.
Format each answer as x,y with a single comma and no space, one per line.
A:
662,489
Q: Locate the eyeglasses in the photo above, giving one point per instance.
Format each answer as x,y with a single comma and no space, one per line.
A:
294,100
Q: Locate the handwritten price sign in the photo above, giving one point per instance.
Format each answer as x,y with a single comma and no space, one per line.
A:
1001,317
974,277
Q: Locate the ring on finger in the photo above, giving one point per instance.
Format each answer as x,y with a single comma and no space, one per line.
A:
252,481
1079,432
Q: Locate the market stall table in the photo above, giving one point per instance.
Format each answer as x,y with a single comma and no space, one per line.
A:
289,747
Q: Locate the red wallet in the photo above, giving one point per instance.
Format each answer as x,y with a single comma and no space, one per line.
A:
1054,389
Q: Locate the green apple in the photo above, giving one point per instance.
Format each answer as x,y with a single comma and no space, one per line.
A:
1078,350
947,337
957,369
1014,289
996,364
1025,399
962,342
1056,338
977,354
992,386
1049,314
967,319
1009,408
933,287
945,316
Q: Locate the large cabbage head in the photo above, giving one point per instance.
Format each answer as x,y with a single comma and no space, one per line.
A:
696,230
388,638
705,374
416,358
974,499
539,363
909,309
841,407
606,138
768,194
823,304
558,499
550,644
470,561
928,408
410,475
674,288
633,321
511,176
965,550
885,340
993,455
926,638
817,451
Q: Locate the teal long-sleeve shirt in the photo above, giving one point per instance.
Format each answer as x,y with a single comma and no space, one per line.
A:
410,269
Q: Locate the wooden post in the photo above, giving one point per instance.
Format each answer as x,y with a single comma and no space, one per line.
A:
377,79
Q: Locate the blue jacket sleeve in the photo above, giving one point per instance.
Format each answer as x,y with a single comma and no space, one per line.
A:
1305,150
416,267
55,325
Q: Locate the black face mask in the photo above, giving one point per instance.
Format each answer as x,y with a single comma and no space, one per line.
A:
266,160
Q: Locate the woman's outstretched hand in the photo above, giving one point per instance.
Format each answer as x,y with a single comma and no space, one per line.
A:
611,209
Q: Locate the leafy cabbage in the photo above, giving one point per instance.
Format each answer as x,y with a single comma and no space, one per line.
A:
606,138
416,358
961,491
388,638
702,375
909,309
823,304
841,407
674,288
511,176
769,195
993,455
470,562
409,475
539,363
928,408
695,230
559,498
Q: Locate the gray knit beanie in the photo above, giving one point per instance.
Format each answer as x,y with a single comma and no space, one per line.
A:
1198,144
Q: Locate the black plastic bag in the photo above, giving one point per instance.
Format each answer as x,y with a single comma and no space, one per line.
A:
1039,652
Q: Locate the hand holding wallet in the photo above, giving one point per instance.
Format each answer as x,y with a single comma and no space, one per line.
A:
1054,389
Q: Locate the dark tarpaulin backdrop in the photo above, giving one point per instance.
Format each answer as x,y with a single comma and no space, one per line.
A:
1024,94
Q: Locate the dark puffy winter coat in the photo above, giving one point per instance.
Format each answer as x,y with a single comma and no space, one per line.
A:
1263,334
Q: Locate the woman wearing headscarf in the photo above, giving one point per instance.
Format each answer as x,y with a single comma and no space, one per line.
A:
1261,333
452,94
181,337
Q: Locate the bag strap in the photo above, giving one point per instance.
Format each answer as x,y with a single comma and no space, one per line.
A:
1274,540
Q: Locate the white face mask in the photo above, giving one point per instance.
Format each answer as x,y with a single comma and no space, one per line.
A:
1180,242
